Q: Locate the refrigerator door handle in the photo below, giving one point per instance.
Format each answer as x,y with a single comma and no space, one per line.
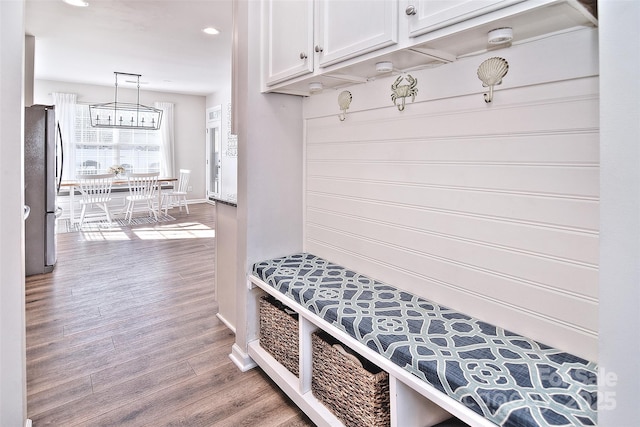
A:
61,160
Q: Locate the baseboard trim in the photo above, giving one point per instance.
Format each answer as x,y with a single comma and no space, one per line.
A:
196,201
226,322
241,359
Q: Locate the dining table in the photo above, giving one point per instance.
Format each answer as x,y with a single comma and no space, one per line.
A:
118,182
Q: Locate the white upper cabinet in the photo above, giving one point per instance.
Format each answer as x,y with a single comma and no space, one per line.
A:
430,15
334,43
349,28
302,33
288,39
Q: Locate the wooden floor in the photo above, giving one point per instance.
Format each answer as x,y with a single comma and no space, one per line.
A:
124,333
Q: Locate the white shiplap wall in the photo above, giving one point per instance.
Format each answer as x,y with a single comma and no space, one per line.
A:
489,209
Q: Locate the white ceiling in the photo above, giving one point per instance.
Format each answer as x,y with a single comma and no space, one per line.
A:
160,39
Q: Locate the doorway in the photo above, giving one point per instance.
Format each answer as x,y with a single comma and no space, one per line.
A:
213,161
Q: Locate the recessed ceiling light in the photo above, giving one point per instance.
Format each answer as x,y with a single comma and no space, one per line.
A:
78,3
210,30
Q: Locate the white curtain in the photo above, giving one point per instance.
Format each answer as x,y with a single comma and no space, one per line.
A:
166,137
65,107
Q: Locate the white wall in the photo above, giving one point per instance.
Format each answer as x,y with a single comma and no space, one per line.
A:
12,322
491,209
189,121
619,377
269,128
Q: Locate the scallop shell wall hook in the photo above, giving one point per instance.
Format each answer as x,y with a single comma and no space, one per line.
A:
491,73
344,101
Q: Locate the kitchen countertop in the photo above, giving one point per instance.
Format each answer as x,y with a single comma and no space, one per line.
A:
227,199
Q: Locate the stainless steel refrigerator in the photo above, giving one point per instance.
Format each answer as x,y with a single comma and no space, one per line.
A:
42,174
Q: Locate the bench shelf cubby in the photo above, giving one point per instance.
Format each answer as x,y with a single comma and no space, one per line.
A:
409,405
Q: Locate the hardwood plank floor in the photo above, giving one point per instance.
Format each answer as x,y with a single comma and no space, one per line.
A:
124,332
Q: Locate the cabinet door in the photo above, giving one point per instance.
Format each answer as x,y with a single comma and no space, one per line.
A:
429,15
289,39
348,28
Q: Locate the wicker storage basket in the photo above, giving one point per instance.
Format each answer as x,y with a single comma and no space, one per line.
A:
358,396
279,333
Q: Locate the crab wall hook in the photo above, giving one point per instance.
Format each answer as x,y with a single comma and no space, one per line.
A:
404,91
491,73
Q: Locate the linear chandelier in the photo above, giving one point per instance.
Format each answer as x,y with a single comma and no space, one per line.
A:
124,115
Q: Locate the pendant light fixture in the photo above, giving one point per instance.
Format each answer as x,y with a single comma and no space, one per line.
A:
123,115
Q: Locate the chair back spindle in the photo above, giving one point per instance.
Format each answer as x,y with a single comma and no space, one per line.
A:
183,180
143,185
142,188
95,190
178,196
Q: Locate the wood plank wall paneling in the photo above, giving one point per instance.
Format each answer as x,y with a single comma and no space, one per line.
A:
492,211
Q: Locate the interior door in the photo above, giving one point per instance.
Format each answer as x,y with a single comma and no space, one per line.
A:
214,162
213,147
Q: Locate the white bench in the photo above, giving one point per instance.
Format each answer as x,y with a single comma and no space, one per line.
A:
480,373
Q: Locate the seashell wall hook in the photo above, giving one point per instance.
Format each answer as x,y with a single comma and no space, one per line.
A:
491,73
344,101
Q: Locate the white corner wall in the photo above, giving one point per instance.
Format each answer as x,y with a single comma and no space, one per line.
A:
491,209
619,376
189,121
13,402
269,128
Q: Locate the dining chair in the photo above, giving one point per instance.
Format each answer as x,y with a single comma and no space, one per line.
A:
177,196
95,190
142,189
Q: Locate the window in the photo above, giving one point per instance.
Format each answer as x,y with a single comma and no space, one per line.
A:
97,149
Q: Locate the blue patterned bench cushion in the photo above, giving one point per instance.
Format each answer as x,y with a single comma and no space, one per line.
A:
507,378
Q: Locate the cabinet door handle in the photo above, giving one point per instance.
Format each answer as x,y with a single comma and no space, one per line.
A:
411,10
318,48
303,55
